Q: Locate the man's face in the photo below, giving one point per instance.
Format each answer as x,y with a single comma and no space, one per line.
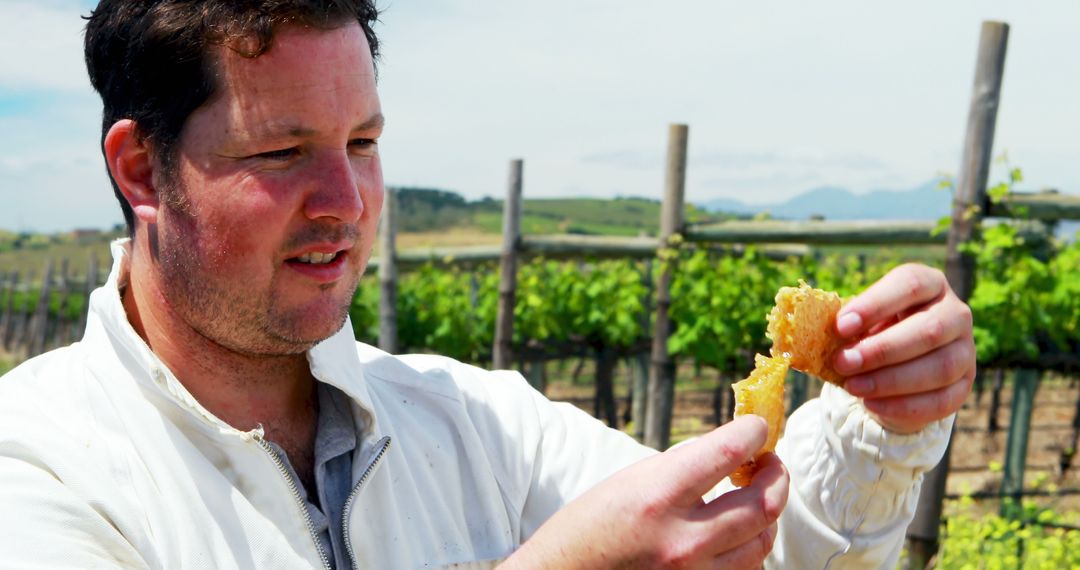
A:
273,212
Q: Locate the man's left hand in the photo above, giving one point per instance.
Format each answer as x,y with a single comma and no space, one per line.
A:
913,357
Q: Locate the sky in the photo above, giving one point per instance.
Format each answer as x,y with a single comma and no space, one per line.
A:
780,97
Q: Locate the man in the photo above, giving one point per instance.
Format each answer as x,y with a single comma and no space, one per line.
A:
218,412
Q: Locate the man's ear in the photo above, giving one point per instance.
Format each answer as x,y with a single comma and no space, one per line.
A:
132,167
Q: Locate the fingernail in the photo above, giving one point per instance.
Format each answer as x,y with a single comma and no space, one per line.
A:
859,386
849,323
851,358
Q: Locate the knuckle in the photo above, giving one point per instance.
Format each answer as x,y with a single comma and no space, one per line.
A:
913,285
955,364
769,510
934,331
967,319
678,554
875,352
943,406
731,454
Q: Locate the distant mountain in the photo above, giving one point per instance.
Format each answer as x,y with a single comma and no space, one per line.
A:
925,202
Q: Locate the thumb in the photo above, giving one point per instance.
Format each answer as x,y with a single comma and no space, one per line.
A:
695,468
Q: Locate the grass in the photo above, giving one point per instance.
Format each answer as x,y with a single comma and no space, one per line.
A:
32,260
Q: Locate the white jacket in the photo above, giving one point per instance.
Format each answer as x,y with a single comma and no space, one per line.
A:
107,460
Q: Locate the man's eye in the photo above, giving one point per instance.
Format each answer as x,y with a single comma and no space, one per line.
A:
363,143
281,154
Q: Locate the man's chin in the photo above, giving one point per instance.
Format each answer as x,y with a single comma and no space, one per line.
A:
307,333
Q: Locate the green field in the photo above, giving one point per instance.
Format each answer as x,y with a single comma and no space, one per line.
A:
29,253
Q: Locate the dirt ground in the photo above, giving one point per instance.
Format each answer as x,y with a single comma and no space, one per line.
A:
976,454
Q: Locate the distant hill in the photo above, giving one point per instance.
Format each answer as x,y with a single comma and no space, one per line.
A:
433,210
925,202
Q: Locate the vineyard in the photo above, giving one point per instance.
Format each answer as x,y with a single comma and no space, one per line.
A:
648,333
582,328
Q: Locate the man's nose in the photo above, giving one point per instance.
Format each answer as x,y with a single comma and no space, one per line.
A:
336,193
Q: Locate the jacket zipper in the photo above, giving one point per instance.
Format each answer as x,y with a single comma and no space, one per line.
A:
383,445
296,496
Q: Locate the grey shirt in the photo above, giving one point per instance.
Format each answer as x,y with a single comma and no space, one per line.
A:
335,442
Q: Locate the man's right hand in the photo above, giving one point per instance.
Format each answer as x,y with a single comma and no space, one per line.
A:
651,513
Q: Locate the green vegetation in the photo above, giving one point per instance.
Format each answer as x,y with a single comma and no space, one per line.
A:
1041,538
719,302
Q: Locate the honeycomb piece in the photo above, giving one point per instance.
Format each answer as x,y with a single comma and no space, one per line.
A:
803,325
761,394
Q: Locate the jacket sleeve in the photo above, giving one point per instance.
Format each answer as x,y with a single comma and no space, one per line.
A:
45,525
854,485
573,452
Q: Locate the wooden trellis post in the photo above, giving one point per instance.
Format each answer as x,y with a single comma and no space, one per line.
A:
91,284
502,355
7,287
61,334
969,206
40,319
662,370
10,316
1025,384
639,363
388,275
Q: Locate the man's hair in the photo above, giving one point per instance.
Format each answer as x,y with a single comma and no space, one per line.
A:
152,60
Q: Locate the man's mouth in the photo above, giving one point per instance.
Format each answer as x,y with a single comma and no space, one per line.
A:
316,258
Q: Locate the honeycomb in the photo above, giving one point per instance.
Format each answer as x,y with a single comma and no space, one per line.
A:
761,394
803,325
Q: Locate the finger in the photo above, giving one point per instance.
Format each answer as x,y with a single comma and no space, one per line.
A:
695,468
934,370
906,286
750,554
741,515
919,334
909,414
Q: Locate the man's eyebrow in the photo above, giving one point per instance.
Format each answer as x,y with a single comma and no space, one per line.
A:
376,121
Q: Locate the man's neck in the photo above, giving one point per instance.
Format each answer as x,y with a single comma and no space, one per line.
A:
243,390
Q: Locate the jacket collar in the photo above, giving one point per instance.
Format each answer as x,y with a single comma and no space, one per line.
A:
334,361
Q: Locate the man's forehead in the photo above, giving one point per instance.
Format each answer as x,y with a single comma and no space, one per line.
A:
293,49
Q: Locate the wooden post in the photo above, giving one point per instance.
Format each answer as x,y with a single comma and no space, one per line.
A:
1025,383
1067,454
969,206
799,385
536,373
640,362
62,331
604,406
995,401
722,396
39,321
9,312
662,372
504,321
91,284
388,336
6,291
